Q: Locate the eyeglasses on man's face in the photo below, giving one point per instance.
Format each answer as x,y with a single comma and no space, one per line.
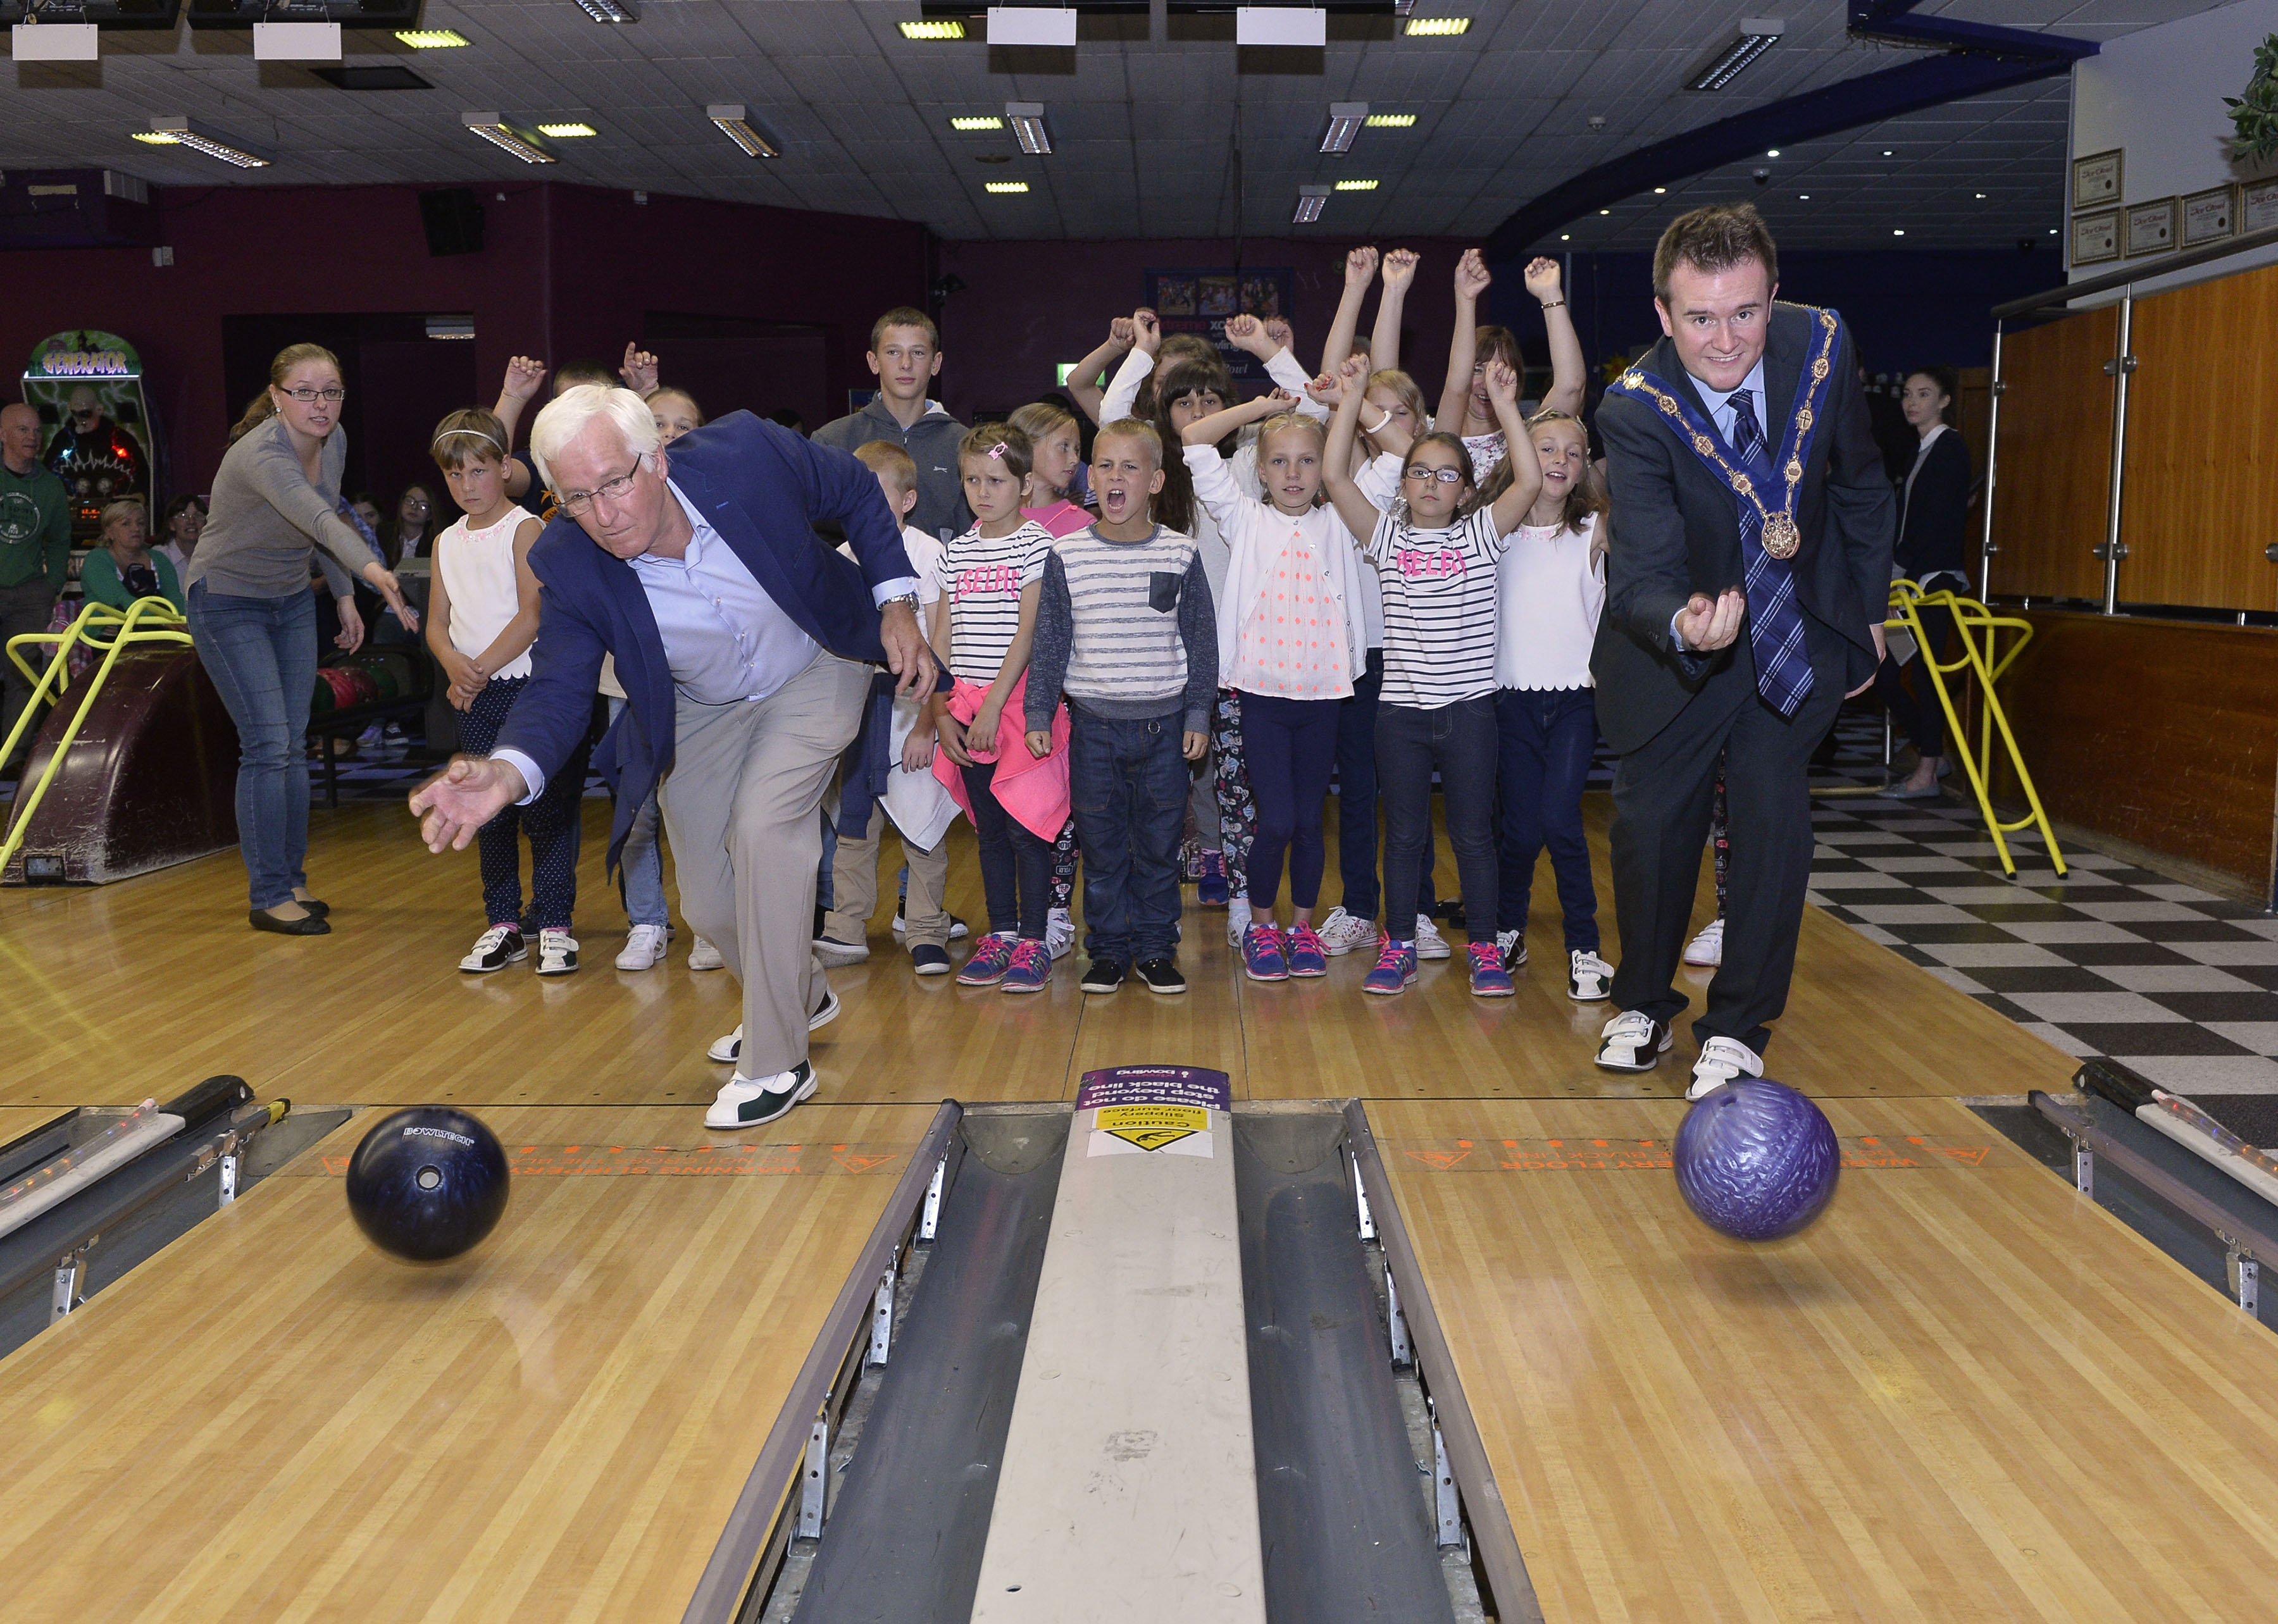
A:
1424,470
576,502
307,396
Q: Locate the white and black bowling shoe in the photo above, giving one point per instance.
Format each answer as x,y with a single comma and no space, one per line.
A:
1633,1041
494,949
726,1051
743,1103
1723,1059
1589,979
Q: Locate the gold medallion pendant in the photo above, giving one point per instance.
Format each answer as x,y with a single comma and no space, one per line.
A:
1782,537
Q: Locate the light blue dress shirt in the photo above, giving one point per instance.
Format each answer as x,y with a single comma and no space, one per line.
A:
1720,413
724,638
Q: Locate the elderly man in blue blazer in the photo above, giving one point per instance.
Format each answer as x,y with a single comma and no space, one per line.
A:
744,645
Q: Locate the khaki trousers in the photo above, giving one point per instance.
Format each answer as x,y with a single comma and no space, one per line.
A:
742,806
854,888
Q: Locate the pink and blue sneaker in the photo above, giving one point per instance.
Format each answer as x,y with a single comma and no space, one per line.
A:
1211,890
1489,978
1263,957
1030,969
1395,968
992,957
1305,952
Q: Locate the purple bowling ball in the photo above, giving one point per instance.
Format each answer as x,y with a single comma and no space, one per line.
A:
1756,1160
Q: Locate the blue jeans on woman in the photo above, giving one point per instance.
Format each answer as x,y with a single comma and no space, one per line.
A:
1545,736
641,861
1459,740
261,653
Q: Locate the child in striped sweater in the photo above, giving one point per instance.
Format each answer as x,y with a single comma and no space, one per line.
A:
1126,628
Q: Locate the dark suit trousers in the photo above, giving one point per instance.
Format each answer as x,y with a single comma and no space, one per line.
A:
1662,795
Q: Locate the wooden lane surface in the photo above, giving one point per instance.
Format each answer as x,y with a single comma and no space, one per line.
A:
1965,1394
16,1119
142,988
277,1423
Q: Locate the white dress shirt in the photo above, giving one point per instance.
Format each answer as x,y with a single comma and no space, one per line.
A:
725,639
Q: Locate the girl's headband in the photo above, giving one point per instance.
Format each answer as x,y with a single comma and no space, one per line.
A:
476,433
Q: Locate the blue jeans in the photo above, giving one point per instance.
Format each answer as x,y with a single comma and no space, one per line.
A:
551,823
641,861
1016,864
1459,739
1546,737
1289,745
1128,783
1356,791
262,655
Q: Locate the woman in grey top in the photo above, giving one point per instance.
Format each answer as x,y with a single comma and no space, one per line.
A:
274,502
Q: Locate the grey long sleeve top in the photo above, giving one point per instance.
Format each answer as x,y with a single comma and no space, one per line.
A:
267,518
1125,629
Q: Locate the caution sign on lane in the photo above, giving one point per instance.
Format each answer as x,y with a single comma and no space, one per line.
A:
1139,1129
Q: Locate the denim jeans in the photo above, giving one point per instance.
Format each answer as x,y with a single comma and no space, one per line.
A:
1459,740
640,861
1289,747
1016,864
1357,792
1542,760
551,823
1127,782
261,653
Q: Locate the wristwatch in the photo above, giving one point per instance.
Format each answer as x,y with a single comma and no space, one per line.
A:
908,600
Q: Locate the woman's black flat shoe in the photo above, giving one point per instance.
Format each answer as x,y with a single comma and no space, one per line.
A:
316,910
313,926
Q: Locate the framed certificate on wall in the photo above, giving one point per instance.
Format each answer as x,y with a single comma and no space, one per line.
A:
2210,216
2096,237
2096,181
2258,206
2151,227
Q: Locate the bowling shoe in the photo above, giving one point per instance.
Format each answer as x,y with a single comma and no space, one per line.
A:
1723,1059
743,1103
494,949
1633,1041
726,1051
1589,979
703,956
1707,948
557,952
1512,945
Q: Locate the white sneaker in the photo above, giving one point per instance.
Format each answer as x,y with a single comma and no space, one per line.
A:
1237,920
1341,933
1633,1041
557,952
743,1103
644,947
1707,948
1429,943
703,956
1589,979
958,930
726,1051
1059,931
1512,945
1723,1059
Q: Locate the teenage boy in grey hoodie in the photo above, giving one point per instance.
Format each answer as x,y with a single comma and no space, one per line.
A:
905,356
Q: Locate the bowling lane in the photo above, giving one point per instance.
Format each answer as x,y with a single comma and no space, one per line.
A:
270,1420
1965,1394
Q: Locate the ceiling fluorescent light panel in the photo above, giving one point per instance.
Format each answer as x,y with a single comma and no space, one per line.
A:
179,127
1309,202
1028,121
492,128
734,121
1345,121
1757,35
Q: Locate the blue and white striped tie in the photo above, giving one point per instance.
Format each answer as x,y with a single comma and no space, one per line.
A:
1775,622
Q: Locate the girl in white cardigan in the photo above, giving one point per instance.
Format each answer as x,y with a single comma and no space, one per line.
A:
1291,640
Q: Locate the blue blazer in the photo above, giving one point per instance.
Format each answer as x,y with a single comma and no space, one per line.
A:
763,488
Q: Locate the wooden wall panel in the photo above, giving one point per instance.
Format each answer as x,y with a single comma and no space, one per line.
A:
2200,499
2054,477
2163,733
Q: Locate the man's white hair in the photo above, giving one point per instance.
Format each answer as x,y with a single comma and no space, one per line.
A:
564,417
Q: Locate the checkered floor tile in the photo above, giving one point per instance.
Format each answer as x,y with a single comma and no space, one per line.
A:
2109,959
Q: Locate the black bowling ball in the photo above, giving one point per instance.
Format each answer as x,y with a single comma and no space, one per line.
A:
427,1184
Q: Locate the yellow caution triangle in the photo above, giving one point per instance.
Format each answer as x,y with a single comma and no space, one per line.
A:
1150,1139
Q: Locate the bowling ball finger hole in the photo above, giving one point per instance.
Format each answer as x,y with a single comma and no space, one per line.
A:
429,1177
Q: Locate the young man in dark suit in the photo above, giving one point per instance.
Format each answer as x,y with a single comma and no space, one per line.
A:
745,649
1745,601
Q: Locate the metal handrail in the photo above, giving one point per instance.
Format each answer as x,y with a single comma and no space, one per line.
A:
1971,618
166,624
2139,270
